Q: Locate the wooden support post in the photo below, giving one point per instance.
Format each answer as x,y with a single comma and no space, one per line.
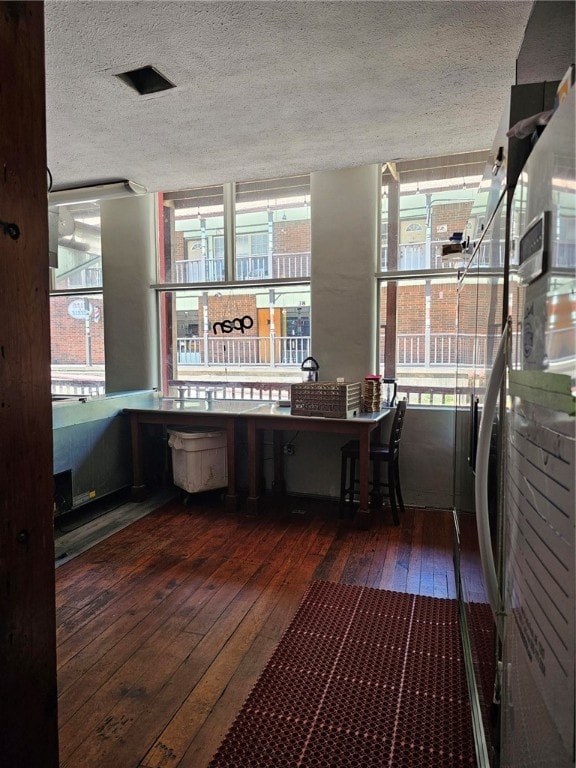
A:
28,694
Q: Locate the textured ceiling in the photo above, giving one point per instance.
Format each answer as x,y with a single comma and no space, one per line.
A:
268,89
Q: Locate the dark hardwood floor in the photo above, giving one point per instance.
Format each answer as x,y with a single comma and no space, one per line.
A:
164,627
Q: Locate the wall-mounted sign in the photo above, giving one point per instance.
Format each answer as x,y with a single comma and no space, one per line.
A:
237,324
80,309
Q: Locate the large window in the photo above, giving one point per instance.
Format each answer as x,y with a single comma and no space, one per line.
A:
424,203
251,241
222,339
422,341
431,200
272,222
258,234
77,346
76,313
79,254
192,246
247,231
233,282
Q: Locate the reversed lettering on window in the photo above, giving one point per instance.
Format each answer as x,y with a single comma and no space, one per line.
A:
237,324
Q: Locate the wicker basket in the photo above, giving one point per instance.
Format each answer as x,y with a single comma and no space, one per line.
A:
326,398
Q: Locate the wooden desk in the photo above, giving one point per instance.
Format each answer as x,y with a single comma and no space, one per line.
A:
271,417
258,416
177,413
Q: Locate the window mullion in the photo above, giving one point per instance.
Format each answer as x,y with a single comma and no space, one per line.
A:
230,230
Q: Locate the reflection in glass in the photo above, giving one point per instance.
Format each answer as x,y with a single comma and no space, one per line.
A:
434,199
79,247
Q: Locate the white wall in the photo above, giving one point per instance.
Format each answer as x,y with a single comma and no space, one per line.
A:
426,460
345,233
130,316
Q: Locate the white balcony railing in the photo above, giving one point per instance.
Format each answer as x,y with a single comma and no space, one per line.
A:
418,256
413,350
276,265
243,351
444,349
199,271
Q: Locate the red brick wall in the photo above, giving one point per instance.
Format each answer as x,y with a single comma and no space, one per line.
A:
453,215
178,246
291,237
227,308
288,236
487,297
68,335
442,308
410,309
443,296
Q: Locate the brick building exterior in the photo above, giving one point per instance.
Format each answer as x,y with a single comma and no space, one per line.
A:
69,334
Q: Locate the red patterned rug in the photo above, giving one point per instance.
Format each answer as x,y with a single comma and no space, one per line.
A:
361,678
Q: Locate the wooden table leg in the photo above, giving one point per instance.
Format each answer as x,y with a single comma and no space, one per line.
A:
138,490
253,501
231,500
278,483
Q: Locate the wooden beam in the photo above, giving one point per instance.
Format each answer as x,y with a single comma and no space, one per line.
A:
28,714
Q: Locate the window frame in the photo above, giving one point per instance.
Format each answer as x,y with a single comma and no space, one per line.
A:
232,281
69,385
423,174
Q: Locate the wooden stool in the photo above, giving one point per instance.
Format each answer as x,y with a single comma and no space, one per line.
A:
379,454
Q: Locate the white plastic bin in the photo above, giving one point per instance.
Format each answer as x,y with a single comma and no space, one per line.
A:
199,459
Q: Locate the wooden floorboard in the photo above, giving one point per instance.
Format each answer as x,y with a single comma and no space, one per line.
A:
165,625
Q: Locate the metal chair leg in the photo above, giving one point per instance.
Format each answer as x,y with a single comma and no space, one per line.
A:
347,484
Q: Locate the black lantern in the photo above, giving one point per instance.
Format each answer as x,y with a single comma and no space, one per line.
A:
310,369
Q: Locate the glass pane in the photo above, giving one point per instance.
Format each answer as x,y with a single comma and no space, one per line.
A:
79,247
433,201
428,218
273,229
229,340
191,247
77,345
419,317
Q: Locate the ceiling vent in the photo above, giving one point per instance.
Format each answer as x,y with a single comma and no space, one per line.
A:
146,80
